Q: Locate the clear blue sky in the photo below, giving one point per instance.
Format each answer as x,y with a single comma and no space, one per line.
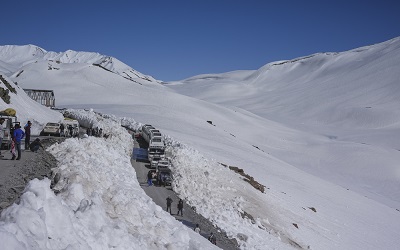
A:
173,40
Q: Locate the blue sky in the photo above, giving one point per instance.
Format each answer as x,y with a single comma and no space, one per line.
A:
173,40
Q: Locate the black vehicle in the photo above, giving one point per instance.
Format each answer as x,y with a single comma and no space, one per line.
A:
165,177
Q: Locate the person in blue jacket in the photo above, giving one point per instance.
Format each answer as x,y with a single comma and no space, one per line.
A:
18,136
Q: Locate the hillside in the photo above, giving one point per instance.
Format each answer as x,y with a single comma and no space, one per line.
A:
351,98
311,130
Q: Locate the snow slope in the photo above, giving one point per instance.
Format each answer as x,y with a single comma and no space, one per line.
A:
279,125
27,109
351,98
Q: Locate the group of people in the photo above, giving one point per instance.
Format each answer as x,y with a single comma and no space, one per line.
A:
179,205
97,132
161,178
68,130
211,237
17,135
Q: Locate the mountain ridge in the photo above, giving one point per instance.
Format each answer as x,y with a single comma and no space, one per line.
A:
15,57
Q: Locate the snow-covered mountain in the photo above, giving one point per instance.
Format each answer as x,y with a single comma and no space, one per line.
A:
318,132
13,59
357,88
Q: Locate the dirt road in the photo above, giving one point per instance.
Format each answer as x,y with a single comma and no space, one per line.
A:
15,174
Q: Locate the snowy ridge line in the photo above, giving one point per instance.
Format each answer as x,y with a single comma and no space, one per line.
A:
21,56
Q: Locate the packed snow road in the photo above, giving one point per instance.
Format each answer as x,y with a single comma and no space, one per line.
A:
190,218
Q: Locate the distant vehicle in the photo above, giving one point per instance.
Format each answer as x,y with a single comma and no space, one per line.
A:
8,125
155,154
165,177
163,164
156,142
153,164
152,136
51,128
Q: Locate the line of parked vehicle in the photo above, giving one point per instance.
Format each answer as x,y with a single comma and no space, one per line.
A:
159,163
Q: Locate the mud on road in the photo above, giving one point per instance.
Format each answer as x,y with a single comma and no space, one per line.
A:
15,174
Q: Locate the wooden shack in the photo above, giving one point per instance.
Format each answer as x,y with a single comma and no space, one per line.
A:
44,97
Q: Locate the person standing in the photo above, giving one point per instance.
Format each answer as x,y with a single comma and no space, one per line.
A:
27,129
12,150
1,134
149,178
197,228
180,207
212,238
62,130
169,202
71,130
18,136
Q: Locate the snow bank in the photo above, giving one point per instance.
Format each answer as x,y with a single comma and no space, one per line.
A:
221,196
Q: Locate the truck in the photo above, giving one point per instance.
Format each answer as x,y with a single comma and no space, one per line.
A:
8,128
154,138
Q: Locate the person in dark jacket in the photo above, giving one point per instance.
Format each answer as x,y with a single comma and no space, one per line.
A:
62,129
212,238
149,178
180,207
71,130
18,136
169,202
34,146
27,129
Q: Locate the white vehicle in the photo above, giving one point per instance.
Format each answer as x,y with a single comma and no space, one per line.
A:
156,142
155,154
155,133
9,123
154,164
146,134
163,164
153,137
51,128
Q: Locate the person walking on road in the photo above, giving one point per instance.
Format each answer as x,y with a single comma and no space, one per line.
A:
212,238
18,136
180,207
169,202
149,178
1,133
197,228
27,129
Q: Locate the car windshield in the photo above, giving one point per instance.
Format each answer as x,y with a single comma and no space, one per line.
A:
52,124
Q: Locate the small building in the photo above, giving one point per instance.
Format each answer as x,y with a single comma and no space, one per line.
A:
44,97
